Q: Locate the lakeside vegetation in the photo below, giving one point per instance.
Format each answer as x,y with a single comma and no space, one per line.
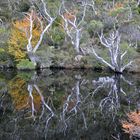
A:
66,69
70,34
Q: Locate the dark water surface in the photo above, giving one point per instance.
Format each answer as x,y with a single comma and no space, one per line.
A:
66,104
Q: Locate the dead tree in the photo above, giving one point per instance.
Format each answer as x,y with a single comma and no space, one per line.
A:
73,24
112,43
45,22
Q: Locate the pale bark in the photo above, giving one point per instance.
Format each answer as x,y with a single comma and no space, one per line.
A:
30,90
73,27
44,104
47,20
138,3
112,44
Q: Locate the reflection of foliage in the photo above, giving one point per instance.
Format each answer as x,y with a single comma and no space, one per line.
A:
20,95
25,76
56,95
24,6
132,125
58,99
3,88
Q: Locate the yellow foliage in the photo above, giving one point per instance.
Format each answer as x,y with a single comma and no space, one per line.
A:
20,95
17,43
19,34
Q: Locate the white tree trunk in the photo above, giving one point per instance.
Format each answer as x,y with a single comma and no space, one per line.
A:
45,19
112,43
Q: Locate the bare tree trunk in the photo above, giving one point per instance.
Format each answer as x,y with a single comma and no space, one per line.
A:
45,19
73,26
112,43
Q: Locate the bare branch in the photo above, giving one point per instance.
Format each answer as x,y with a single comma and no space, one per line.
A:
29,45
45,19
125,66
112,43
102,60
41,36
72,25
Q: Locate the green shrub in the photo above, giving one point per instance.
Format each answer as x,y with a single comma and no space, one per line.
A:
45,55
91,61
57,35
94,26
4,56
25,64
131,52
62,58
24,6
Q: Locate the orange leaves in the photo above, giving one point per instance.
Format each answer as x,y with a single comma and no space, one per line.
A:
69,16
135,117
127,127
132,125
21,24
118,5
117,9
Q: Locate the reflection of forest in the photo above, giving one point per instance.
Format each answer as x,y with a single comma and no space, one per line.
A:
66,104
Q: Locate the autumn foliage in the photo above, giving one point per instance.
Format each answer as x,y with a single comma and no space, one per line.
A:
132,125
70,15
20,95
116,10
19,35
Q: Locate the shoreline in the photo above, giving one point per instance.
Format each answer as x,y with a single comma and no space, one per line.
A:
96,69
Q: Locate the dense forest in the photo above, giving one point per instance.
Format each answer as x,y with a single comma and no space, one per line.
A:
97,34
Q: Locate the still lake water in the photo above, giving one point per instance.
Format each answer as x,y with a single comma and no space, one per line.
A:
66,104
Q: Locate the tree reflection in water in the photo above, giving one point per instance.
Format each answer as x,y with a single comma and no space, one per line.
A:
111,103
65,106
